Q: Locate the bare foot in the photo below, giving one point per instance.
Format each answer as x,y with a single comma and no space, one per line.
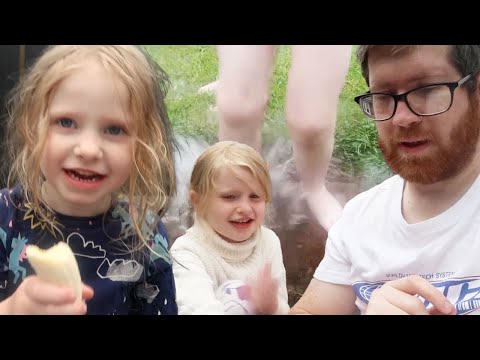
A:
212,87
324,206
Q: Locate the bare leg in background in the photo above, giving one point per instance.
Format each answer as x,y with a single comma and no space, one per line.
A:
243,91
316,78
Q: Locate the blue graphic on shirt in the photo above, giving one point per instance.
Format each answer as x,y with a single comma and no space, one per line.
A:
3,236
158,244
18,254
463,293
159,247
127,224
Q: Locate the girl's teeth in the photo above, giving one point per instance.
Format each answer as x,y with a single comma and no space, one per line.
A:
82,176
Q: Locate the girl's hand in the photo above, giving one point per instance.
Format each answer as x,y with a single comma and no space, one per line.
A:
37,297
264,292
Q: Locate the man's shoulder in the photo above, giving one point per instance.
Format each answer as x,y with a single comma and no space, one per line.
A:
376,193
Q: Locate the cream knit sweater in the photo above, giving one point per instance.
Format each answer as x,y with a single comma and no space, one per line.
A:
202,261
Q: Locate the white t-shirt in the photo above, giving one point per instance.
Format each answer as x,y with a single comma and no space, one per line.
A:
372,244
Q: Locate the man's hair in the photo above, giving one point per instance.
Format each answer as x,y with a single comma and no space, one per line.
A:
465,58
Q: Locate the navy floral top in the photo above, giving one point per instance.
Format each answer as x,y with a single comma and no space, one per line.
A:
124,283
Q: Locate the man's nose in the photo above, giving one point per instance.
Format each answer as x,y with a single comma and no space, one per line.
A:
404,117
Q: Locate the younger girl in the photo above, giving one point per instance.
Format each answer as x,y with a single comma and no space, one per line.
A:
227,257
91,153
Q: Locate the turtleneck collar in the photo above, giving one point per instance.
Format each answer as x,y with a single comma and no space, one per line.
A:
202,231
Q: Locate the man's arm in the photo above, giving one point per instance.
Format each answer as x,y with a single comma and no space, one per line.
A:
323,298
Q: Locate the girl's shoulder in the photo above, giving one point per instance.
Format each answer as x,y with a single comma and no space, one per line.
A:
269,233
269,238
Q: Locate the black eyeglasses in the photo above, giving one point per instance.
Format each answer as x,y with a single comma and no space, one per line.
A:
427,100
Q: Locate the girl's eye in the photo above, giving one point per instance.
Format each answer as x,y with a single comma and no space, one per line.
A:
228,197
66,122
257,197
115,130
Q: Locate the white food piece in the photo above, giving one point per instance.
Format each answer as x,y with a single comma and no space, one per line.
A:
56,265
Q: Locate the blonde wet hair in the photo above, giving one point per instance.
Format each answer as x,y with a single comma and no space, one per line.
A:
230,155
151,183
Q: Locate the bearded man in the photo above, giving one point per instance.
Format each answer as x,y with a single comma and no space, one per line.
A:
410,245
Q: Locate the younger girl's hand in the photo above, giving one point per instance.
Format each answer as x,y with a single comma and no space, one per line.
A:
264,292
37,297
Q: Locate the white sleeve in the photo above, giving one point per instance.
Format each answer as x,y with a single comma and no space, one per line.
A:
195,288
335,266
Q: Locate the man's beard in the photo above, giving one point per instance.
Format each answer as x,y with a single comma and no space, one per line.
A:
443,161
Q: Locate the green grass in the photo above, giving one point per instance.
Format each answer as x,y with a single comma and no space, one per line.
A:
192,66
189,68
356,136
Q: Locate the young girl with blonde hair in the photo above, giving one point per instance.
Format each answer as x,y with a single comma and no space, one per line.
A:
91,154
228,262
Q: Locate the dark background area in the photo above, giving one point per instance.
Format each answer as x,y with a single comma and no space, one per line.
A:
14,59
